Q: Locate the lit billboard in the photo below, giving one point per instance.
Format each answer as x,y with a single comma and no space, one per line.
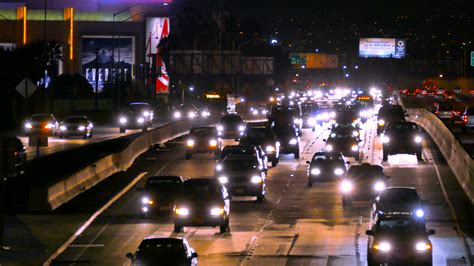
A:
382,47
157,29
313,61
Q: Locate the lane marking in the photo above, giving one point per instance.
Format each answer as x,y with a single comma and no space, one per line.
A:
460,234
81,229
86,245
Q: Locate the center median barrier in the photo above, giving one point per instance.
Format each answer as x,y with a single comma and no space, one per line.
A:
51,195
458,159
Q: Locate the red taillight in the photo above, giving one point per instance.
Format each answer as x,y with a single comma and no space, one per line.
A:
464,119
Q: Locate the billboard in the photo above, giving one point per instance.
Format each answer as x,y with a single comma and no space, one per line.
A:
313,61
97,53
382,47
157,29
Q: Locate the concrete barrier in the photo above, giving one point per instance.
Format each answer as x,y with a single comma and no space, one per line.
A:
49,197
457,158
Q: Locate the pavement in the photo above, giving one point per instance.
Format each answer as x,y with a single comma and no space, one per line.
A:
296,225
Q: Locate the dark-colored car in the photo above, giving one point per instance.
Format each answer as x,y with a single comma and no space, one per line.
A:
310,111
202,139
202,202
286,114
231,126
343,140
325,166
76,126
288,138
159,193
399,199
389,114
242,177
184,112
44,124
163,251
264,137
250,151
363,182
399,239
137,115
402,137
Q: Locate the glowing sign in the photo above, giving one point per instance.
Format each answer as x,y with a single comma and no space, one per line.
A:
382,47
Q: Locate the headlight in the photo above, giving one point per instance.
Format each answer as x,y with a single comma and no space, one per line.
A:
220,128
264,112
141,120
296,121
81,128
329,147
355,148
190,143
63,128
123,120
182,211
177,114
338,171
355,133
385,139
191,115
422,246
379,186
419,213
315,171
256,179
223,179
217,211
205,113
219,167
146,113
293,142
418,139
213,142
346,186
381,122
241,128
48,126
255,112
28,125
270,149
383,246
145,209
145,200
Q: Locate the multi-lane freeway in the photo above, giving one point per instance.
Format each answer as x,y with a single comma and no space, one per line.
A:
297,225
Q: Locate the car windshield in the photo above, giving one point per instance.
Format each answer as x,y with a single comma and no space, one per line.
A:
398,226
366,172
198,190
155,251
226,152
163,184
138,107
259,134
203,132
75,120
402,127
445,108
326,157
236,165
231,119
38,118
399,195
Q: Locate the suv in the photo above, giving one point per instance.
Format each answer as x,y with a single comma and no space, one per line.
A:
202,202
398,199
264,137
288,138
138,115
231,126
159,193
242,177
244,150
389,114
363,182
202,139
163,251
402,137
344,140
325,165
399,238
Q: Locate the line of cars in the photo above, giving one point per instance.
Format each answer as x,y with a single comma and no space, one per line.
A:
47,124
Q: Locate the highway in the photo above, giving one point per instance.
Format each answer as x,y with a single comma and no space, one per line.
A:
296,225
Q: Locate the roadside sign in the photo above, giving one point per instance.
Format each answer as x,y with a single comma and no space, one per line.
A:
38,140
26,88
472,59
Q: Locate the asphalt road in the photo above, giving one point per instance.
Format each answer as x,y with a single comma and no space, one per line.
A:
297,225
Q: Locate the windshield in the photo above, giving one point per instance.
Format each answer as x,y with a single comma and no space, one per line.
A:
259,134
156,251
226,152
402,127
401,226
231,119
38,118
75,120
239,165
203,132
399,195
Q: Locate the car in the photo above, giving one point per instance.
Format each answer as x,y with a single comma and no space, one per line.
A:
75,126
343,140
231,126
288,138
326,166
15,155
399,239
242,177
43,124
349,126
445,112
251,151
286,114
388,114
363,182
163,251
202,202
137,115
468,118
185,111
310,111
402,137
159,194
202,139
325,115
258,111
399,199
264,137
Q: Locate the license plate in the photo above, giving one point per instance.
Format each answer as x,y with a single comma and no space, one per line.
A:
163,208
199,220
239,190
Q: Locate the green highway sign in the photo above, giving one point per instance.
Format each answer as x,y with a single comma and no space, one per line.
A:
472,59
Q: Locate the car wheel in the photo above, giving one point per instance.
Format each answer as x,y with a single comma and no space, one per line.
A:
188,156
310,183
178,229
385,157
260,198
122,130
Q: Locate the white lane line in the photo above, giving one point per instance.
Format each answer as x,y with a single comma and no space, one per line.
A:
460,234
81,229
86,245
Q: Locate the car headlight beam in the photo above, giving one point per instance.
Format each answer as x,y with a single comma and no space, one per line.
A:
338,171
269,149
315,171
256,179
182,211
329,147
346,186
293,141
217,211
379,186
223,179
190,143
422,246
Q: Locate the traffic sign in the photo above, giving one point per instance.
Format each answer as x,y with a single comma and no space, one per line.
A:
472,59
26,88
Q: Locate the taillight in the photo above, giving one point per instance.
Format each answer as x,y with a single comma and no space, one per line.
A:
464,119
